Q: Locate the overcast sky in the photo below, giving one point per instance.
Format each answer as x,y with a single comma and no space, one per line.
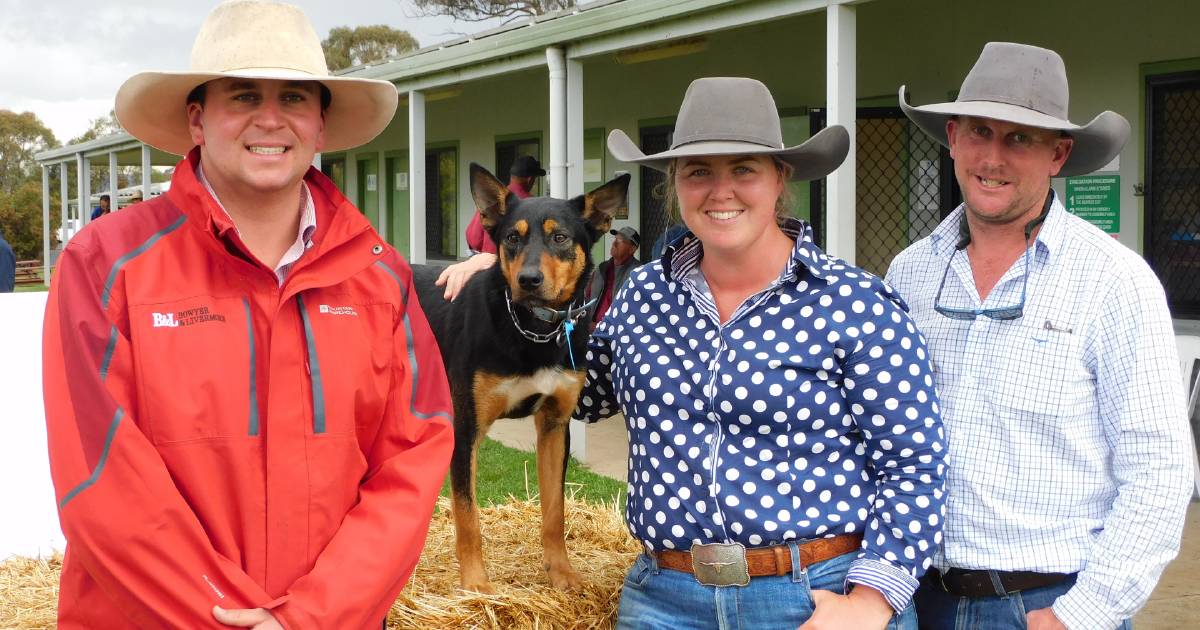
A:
64,59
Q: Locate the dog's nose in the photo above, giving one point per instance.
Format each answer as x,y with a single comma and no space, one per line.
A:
530,279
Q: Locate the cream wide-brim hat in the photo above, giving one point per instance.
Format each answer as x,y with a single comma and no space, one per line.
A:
253,39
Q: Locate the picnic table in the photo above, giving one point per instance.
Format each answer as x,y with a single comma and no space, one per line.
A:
29,272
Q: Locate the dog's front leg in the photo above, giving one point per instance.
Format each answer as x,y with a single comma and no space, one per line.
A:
472,420
553,420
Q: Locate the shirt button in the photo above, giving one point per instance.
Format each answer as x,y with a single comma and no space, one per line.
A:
377,250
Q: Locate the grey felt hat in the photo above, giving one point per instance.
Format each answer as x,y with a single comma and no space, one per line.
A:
736,116
628,234
1026,85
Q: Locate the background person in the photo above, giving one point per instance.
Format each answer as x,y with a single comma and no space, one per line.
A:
522,177
103,209
8,267
611,274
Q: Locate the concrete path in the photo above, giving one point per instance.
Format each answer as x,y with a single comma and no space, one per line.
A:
1175,604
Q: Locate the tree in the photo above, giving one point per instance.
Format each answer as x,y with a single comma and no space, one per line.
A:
106,125
480,10
21,137
347,47
103,126
21,218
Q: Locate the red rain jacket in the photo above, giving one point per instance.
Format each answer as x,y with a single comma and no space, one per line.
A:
216,439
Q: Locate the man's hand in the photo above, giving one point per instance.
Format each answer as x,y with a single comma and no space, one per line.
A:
863,609
1043,619
254,618
455,276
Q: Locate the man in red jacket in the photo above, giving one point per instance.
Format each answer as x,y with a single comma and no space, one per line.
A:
248,417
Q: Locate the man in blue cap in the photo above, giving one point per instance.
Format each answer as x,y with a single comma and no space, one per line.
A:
8,267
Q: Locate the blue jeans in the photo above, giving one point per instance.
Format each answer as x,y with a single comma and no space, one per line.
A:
662,599
939,610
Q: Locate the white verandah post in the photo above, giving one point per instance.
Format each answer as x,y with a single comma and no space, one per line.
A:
63,172
46,225
841,96
147,169
556,61
114,183
574,185
416,178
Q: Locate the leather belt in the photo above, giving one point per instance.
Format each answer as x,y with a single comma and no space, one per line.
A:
760,561
979,583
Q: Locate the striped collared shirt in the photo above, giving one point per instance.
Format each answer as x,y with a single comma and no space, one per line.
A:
304,233
1068,443
809,413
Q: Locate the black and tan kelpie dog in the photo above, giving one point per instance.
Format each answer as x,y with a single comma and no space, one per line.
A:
513,342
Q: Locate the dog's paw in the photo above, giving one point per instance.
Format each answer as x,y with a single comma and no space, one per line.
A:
564,578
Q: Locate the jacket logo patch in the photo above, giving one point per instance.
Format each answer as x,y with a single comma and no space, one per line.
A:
338,310
188,317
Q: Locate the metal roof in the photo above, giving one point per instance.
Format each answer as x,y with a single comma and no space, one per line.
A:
589,29
120,142
535,34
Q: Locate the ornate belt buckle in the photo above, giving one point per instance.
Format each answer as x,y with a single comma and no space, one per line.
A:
720,564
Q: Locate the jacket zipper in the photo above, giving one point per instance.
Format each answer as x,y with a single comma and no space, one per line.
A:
312,365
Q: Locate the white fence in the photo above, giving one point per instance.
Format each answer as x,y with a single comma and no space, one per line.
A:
30,523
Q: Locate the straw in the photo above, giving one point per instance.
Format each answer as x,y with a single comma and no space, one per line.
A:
598,546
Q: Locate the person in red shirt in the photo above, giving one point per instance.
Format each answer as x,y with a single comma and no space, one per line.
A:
248,418
522,177
611,274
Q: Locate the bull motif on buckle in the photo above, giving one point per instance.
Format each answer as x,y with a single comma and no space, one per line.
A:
720,564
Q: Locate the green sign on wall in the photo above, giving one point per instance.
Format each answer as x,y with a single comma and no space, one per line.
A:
1097,200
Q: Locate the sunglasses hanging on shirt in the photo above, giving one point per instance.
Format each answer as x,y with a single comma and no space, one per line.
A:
1000,312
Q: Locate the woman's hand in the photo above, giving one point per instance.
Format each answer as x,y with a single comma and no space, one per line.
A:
254,618
863,609
455,277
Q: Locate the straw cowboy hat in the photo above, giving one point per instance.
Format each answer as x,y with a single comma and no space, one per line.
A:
1025,85
736,116
253,39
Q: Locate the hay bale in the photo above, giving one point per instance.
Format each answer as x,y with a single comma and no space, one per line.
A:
598,545
29,592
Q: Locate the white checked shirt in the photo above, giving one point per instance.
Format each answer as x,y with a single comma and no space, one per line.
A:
304,233
1069,449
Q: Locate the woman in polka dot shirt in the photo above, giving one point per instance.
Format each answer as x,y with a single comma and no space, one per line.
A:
785,445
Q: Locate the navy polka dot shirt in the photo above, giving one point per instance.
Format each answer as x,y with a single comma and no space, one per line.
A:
810,413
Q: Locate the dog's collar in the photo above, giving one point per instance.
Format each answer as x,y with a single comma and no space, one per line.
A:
551,316
571,314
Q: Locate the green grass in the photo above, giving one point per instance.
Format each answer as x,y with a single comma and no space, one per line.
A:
505,472
30,288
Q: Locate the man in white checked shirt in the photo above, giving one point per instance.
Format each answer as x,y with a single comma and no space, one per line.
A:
1055,360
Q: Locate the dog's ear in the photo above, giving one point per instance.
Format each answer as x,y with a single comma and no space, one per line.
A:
600,206
490,194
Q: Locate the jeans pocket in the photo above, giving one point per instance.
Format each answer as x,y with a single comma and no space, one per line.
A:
640,572
830,575
905,619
